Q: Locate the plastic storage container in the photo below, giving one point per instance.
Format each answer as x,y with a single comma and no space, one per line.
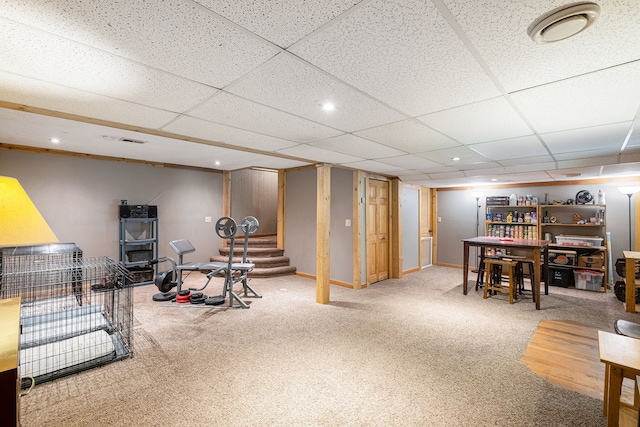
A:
579,240
560,276
589,280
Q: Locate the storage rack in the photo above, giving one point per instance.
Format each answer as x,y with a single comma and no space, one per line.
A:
550,222
138,245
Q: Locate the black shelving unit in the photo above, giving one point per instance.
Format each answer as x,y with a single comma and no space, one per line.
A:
139,244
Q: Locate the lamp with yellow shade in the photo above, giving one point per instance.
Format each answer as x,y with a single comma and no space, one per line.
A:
21,224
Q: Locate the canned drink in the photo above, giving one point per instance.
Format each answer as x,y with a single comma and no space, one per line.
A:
547,236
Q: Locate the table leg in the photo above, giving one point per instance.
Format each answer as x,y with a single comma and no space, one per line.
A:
536,276
465,273
545,255
614,389
607,373
630,280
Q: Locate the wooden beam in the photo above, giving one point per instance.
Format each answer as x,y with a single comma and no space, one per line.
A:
395,238
226,198
323,227
358,194
282,188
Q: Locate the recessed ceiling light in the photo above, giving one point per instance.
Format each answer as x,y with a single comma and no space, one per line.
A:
54,140
494,179
327,106
455,159
562,23
217,163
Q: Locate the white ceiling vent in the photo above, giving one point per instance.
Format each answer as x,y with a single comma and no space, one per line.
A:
563,23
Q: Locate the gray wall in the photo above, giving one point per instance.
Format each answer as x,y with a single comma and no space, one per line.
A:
79,199
341,236
300,222
255,193
410,228
457,208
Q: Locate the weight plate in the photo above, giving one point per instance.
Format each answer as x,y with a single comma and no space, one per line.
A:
165,296
163,281
216,300
250,225
226,227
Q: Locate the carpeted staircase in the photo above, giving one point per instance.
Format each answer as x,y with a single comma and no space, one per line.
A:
263,252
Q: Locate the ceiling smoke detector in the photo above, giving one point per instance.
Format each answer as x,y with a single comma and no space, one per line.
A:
563,23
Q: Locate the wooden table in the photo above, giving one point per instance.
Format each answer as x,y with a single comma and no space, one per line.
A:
630,258
621,356
9,364
537,248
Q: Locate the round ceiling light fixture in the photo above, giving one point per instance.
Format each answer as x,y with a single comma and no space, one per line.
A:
563,23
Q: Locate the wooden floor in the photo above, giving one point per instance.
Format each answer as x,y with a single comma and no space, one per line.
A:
565,353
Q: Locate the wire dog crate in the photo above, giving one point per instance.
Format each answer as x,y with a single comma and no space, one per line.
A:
76,313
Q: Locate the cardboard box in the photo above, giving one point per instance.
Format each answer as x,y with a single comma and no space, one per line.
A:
591,261
561,257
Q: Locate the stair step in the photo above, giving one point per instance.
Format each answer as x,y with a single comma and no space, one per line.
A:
256,242
271,272
253,252
260,262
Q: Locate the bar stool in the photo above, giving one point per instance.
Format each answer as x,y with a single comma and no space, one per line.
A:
495,269
520,275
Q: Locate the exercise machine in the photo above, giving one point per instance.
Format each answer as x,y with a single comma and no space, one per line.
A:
232,272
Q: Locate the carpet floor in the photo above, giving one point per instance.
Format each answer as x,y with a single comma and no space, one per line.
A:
403,352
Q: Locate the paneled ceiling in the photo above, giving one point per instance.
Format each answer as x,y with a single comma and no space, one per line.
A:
439,93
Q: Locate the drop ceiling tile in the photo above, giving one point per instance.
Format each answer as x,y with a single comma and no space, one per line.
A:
628,169
179,37
228,109
373,166
291,85
560,174
31,53
409,178
574,162
465,155
409,161
603,97
410,136
319,155
360,147
607,138
499,34
437,169
513,148
488,120
197,128
447,175
586,155
527,160
281,22
35,130
400,39
26,91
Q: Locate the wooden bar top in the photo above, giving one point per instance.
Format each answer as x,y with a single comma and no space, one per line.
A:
502,241
619,350
9,333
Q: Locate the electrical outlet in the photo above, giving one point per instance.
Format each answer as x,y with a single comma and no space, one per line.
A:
347,223
439,219
207,219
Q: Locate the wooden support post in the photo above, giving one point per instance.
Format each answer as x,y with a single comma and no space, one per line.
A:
323,227
282,187
226,198
358,206
395,210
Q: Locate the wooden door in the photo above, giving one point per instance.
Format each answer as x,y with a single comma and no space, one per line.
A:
377,230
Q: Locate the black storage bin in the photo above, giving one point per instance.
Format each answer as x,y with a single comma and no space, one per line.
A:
560,276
